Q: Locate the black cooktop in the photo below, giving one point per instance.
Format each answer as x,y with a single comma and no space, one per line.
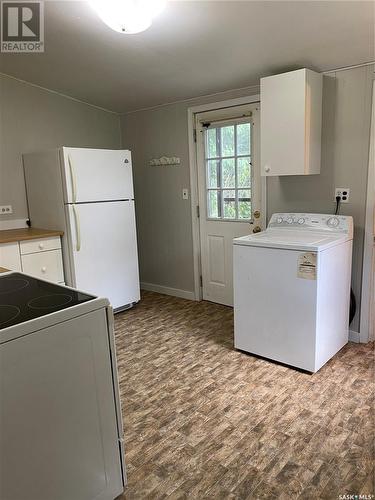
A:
23,298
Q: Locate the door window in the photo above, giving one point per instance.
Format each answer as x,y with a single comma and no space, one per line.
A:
228,171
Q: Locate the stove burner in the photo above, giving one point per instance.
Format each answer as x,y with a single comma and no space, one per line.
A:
50,301
9,285
8,313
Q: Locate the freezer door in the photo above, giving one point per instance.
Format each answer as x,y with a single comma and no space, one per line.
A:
96,175
104,258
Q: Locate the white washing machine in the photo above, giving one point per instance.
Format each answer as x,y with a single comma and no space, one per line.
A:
292,289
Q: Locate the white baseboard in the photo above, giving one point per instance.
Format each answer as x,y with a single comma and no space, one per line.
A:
13,224
166,290
354,336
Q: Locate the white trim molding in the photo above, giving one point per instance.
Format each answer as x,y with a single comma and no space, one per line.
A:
51,91
354,336
194,197
366,329
166,290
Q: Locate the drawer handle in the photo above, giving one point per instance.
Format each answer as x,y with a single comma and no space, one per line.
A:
267,168
41,246
44,269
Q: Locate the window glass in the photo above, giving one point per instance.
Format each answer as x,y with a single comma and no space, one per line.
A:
228,171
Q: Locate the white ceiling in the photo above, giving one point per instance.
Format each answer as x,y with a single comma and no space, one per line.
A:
193,48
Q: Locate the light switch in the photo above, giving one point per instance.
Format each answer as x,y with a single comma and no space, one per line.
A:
185,194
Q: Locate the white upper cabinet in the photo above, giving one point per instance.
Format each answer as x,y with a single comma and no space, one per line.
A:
291,123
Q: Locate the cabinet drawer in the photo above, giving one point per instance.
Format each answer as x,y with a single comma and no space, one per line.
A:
45,265
41,245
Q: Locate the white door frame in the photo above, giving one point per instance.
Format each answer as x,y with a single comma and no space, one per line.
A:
194,179
368,250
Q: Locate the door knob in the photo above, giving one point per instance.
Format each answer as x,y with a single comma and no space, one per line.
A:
257,229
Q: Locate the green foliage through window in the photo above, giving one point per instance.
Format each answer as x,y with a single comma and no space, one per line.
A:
228,171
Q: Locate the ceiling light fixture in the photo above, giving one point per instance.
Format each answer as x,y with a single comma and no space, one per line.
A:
128,16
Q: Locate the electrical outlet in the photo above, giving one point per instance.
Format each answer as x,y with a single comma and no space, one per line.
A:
6,209
344,193
185,194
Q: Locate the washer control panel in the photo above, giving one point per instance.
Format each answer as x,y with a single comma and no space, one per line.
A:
317,222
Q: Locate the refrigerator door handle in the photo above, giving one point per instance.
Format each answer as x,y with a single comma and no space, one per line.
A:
73,180
78,228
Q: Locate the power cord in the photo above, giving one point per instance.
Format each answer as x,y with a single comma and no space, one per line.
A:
338,203
353,303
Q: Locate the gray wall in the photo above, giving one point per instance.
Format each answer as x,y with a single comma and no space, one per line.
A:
164,219
33,119
345,148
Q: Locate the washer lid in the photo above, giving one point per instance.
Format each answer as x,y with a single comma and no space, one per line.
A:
292,240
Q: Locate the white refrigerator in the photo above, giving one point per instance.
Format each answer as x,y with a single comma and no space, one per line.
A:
88,194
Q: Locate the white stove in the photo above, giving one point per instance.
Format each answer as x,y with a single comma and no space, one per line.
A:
292,289
60,415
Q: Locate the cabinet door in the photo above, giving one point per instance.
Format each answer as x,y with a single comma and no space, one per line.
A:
45,265
283,124
10,256
59,438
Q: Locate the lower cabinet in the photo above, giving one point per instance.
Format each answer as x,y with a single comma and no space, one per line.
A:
41,258
10,256
44,265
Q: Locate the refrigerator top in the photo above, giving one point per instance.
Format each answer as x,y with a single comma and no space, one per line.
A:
96,175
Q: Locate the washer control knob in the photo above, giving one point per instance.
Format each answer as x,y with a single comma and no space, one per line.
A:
290,220
301,220
333,222
280,220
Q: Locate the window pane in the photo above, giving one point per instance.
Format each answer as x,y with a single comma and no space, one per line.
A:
213,173
243,172
243,139
244,204
227,141
211,143
228,173
213,203
229,204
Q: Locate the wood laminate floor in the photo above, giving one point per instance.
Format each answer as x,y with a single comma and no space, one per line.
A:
205,421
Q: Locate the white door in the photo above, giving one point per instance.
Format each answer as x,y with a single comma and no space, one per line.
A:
104,250
229,186
97,175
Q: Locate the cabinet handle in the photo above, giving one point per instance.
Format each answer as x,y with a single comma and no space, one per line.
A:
44,269
41,246
267,169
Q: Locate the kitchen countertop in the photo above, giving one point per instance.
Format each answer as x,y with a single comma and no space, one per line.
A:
30,233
